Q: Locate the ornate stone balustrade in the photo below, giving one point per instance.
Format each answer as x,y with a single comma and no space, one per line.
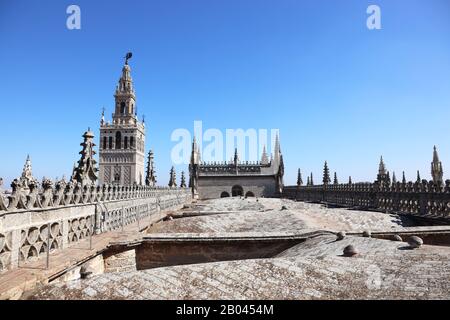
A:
425,199
39,218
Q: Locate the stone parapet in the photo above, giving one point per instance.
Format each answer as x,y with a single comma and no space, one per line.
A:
422,199
28,229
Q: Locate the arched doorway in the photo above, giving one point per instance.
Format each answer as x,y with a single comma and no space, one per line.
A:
224,194
249,194
237,191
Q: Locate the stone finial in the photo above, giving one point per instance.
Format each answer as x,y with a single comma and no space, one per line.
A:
264,156
350,251
383,174
335,180
415,242
381,167
27,174
173,178
340,235
299,178
85,172
436,168
367,234
326,174
183,180
102,118
236,157
150,177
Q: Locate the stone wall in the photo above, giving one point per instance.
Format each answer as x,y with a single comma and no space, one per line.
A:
26,230
120,261
420,199
161,253
211,187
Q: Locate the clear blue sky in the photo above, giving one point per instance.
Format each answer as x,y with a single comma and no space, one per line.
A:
336,90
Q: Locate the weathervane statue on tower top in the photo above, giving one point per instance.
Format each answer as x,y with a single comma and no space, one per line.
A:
127,57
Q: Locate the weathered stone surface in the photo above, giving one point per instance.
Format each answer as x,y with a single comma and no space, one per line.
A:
265,215
311,270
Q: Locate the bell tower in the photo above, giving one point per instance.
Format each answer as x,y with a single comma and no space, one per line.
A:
125,99
122,142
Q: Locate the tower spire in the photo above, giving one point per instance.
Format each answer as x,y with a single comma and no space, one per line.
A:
125,110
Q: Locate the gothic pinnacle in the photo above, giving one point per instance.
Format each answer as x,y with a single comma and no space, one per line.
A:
326,174
299,178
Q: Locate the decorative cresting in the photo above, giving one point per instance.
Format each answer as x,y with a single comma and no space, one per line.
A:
71,193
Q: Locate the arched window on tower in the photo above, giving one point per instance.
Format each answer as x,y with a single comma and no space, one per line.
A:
131,142
110,142
104,142
125,143
118,140
122,107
